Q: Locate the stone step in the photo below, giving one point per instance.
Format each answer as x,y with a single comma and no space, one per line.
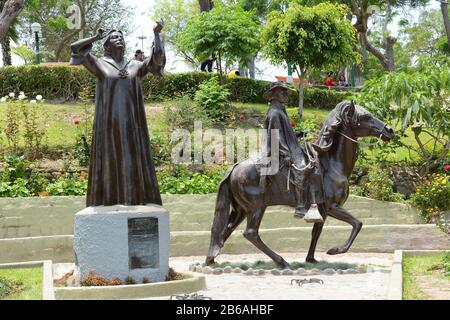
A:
28,217
373,238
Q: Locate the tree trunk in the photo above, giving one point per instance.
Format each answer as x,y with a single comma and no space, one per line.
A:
9,12
251,67
6,52
219,62
301,93
444,9
206,5
387,59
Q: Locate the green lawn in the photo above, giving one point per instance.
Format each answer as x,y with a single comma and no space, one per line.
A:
31,278
436,267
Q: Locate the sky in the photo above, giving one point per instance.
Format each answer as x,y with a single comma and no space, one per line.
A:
144,27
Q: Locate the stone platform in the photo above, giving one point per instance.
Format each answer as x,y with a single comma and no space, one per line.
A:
123,241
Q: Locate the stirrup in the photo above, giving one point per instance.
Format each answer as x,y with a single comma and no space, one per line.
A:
313,215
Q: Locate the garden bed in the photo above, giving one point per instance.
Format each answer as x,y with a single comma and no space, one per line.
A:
297,268
181,284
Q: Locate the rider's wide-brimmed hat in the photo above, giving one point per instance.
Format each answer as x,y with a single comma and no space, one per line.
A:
276,85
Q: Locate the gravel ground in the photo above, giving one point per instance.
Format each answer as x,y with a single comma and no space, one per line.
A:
366,286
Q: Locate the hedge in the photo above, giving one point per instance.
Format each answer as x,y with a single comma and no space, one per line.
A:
66,82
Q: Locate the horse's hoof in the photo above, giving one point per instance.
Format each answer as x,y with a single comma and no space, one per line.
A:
209,260
336,250
283,264
312,260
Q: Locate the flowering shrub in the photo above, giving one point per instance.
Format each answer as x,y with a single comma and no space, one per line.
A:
433,196
23,125
379,186
95,280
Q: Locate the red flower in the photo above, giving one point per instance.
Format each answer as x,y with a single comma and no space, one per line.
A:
293,124
76,122
219,154
241,117
446,168
46,194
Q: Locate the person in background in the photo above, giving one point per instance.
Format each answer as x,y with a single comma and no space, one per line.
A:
234,74
329,82
208,64
342,82
139,55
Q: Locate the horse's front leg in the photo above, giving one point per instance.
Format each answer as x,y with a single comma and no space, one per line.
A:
343,215
316,231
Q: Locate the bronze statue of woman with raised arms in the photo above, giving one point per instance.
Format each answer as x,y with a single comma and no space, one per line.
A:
121,169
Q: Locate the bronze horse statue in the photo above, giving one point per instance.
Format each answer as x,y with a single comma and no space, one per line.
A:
240,190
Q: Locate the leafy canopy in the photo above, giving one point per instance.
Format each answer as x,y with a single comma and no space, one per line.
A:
230,31
310,37
419,102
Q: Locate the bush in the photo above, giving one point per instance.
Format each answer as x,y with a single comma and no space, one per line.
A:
56,82
8,287
68,83
433,196
68,185
379,186
212,97
19,179
181,181
182,113
94,280
160,149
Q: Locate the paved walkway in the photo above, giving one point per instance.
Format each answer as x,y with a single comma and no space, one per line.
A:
366,286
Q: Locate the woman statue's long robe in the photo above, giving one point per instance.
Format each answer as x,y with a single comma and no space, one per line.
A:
121,169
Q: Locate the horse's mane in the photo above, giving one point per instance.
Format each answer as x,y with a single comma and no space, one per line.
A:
343,116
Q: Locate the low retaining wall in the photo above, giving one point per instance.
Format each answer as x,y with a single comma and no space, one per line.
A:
383,238
32,217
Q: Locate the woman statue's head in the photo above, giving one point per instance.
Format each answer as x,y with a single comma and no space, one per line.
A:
114,41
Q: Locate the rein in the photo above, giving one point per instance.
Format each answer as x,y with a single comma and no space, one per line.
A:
365,144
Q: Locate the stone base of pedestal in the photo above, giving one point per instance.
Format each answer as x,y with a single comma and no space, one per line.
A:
123,241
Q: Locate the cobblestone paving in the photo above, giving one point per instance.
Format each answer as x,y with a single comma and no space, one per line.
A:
366,286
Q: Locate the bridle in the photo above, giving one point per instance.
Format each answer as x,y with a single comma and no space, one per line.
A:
364,144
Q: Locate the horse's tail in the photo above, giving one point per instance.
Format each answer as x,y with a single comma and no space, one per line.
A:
221,217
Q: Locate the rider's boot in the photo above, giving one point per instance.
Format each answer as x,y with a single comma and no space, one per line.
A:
313,215
300,209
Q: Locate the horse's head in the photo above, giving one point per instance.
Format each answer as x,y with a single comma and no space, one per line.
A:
364,124
351,120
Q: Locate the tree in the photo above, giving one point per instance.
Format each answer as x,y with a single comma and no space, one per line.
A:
363,10
444,10
25,53
176,14
422,37
9,12
52,16
419,102
308,38
230,34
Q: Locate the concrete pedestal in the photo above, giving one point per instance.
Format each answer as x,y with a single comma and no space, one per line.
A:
123,241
